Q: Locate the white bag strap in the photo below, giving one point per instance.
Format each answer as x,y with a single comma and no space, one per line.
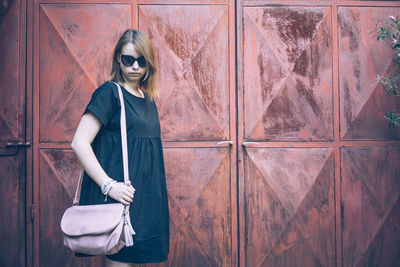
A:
123,137
124,150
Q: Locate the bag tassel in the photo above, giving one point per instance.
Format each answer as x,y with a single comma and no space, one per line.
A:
128,231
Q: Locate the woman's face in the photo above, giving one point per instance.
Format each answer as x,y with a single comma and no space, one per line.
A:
135,71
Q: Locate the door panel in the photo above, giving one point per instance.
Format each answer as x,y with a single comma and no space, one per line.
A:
288,188
194,64
289,200
371,206
12,120
9,73
10,197
198,182
287,75
361,58
74,43
370,185
194,107
75,50
317,188
59,172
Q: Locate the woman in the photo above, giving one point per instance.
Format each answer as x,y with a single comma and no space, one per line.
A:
97,144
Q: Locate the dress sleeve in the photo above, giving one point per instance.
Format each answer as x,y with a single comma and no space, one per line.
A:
103,103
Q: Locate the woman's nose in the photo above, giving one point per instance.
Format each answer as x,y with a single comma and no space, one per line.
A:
135,65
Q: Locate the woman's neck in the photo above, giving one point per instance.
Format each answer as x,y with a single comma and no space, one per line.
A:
133,88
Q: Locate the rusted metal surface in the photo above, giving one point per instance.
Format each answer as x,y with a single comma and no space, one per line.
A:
59,172
361,58
288,73
289,199
198,182
371,207
293,63
75,51
12,156
9,204
260,31
9,74
74,54
4,8
194,63
333,3
369,179
195,107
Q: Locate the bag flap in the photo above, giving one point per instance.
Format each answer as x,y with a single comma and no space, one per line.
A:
91,219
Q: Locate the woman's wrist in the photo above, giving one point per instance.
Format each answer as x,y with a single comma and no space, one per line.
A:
106,187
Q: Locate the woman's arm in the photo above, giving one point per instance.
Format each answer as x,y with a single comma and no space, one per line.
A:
87,130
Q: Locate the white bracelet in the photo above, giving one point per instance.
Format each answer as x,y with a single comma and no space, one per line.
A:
106,187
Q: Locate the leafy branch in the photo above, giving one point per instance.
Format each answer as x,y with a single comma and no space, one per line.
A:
389,31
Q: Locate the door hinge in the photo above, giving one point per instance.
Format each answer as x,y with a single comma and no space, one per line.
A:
32,212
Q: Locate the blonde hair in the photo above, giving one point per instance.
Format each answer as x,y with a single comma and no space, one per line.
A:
143,46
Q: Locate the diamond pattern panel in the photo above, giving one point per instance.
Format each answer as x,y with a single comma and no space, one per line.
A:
10,228
59,174
12,186
288,73
361,58
370,201
386,242
82,45
193,77
199,200
289,207
9,73
74,22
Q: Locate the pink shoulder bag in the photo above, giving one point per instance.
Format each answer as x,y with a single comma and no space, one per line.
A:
102,229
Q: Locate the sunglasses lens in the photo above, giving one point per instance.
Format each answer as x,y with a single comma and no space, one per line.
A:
142,61
127,60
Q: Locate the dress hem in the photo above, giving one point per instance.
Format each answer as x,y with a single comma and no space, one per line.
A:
140,261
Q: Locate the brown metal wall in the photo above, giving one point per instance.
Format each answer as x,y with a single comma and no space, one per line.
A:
319,183
196,108
12,134
312,177
70,48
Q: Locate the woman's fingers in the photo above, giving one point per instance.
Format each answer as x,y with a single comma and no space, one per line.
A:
122,193
131,189
126,200
128,195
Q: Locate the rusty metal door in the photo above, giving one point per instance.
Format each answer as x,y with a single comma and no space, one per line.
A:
275,150
319,176
72,52
196,52
370,151
197,112
288,178
12,134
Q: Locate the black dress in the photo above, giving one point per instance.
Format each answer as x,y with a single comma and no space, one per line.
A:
149,209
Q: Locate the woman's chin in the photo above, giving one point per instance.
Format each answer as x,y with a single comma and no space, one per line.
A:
132,79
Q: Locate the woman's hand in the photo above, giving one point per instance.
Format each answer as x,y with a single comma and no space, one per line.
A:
122,193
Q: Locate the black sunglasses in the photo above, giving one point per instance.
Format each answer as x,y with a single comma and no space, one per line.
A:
129,60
